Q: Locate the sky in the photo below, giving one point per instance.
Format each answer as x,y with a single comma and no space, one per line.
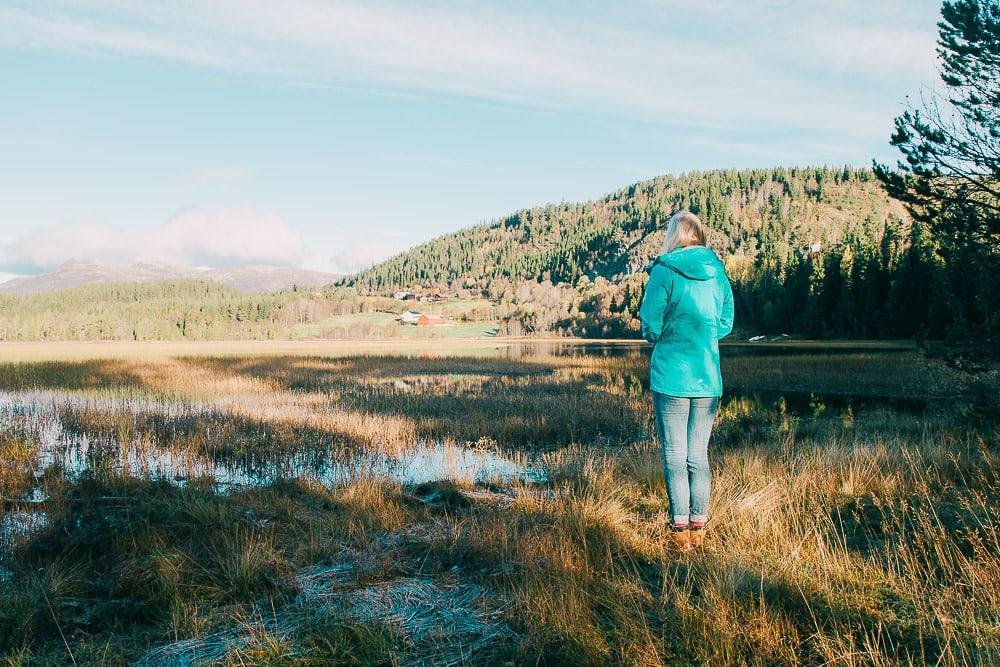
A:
329,135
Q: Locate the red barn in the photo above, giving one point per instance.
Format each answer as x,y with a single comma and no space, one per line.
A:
426,320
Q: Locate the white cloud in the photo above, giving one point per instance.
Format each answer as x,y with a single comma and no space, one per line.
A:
703,64
360,254
191,238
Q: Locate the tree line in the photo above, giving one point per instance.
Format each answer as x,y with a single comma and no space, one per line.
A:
821,252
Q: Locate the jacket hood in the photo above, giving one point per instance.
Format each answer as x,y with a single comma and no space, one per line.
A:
694,263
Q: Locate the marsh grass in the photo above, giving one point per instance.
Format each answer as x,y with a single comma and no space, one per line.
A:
841,533
19,454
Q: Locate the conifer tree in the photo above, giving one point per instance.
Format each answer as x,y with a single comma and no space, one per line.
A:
949,177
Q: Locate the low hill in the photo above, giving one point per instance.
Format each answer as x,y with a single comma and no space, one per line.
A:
245,279
816,251
753,214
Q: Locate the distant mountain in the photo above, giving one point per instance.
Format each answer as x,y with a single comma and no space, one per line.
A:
246,279
252,279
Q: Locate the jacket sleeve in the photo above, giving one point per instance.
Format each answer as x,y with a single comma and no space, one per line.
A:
655,302
727,312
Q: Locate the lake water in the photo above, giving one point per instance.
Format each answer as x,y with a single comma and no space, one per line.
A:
572,348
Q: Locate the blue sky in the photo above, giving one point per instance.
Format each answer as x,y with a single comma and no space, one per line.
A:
332,134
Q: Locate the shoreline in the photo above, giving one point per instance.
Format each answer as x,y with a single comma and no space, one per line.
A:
55,350
68,350
14,348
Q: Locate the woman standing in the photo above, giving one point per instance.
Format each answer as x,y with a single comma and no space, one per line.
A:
687,308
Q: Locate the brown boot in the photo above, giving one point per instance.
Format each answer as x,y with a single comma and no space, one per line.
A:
696,536
680,538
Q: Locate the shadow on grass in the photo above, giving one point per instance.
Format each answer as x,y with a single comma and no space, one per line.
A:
516,404
69,375
305,373
512,404
134,561
591,596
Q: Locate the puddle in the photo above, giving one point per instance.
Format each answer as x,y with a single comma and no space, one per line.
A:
17,525
36,416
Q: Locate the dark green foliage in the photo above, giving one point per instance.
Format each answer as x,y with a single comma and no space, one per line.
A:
615,235
165,310
949,177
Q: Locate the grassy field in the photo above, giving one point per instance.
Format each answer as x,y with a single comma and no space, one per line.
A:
312,507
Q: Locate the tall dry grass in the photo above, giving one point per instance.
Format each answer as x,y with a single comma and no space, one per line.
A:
849,546
841,534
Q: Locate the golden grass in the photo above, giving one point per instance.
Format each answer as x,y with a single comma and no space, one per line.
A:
840,535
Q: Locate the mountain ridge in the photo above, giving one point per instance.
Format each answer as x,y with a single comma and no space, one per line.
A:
246,279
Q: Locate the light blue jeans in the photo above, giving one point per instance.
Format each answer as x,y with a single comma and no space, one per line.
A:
685,426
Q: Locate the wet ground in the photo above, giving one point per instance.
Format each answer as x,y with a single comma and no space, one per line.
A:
67,449
36,415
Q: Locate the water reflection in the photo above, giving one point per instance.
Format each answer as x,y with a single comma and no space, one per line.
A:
36,415
542,349
67,448
812,348
547,349
800,403
813,404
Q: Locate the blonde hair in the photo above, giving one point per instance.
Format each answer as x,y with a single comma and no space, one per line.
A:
684,229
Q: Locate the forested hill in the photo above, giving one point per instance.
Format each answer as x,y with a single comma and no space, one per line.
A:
815,251
768,215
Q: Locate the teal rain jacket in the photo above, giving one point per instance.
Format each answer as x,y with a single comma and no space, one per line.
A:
687,308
